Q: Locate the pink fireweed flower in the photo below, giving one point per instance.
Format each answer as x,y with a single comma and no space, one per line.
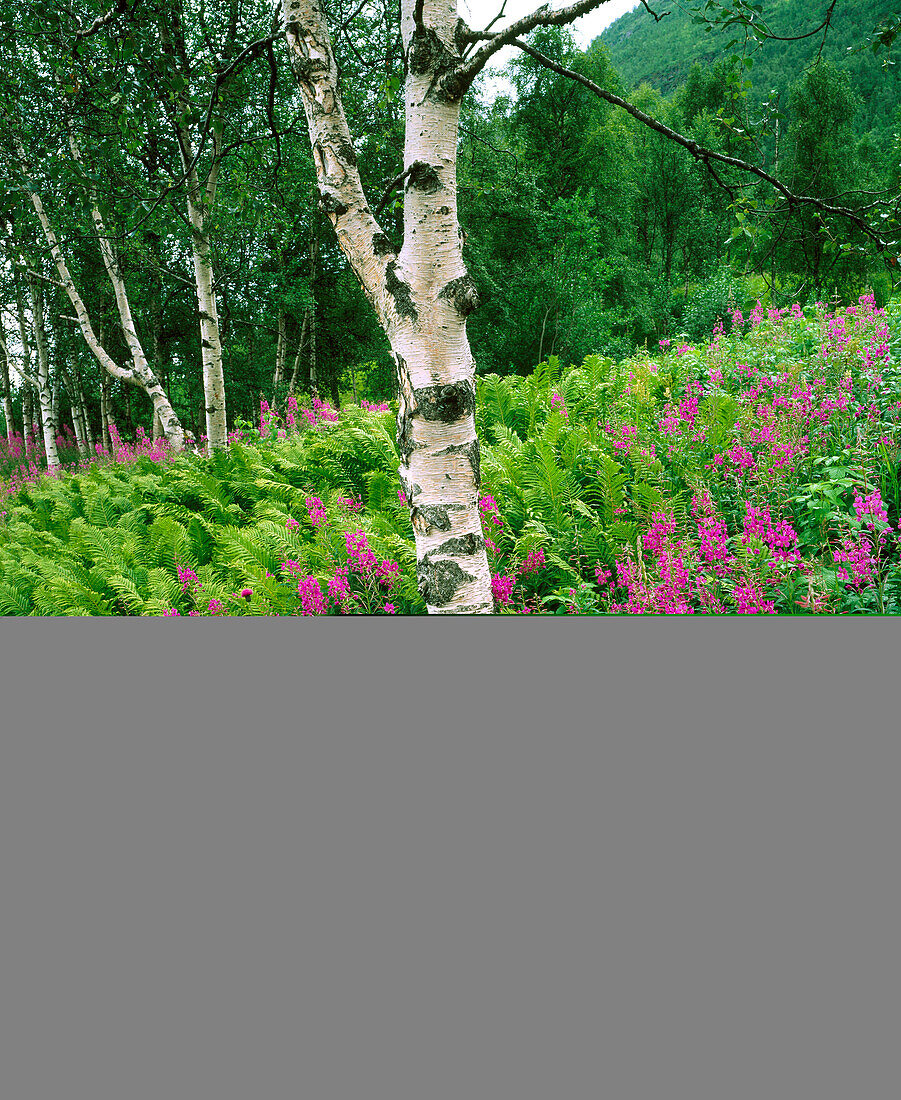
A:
389,609
558,403
665,343
291,567
602,576
172,611
317,511
310,592
855,564
215,606
750,600
871,510
291,522
502,588
187,578
534,561
360,558
387,573
339,589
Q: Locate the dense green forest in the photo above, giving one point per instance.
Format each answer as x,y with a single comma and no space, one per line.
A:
663,54
584,230
177,268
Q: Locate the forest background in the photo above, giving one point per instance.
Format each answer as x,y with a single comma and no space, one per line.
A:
585,231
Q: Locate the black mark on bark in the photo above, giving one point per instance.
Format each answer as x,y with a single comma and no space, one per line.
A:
465,544
433,515
331,204
400,292
423,177
439,581
446,403
346,151
381,245
462,293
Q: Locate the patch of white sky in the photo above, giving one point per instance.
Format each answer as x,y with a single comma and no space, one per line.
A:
479,13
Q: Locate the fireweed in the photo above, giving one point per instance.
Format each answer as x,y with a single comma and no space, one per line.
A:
755,473
515,586
769,474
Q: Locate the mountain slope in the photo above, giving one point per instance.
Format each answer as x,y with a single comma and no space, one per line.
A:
662,54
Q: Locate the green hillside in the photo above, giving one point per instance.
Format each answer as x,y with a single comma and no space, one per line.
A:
662,54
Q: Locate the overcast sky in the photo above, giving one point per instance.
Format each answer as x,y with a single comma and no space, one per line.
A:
479,13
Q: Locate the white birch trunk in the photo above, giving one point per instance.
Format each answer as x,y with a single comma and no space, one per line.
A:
200,201
104,418
143,373
7,390
281,350
45,395
303,336
421,296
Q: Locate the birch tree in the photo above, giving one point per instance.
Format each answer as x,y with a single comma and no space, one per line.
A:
421,293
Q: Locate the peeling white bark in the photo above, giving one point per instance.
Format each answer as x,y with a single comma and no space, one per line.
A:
143,373
421,295
45,392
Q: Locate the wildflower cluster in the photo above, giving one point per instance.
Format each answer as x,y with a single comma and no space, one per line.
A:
514,585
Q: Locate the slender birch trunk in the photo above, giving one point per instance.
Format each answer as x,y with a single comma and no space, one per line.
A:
210,342
311,336
45,395
201,196
143,373
292,388
104,417
81,439
421,295
27,413
7,389
281,350
28,416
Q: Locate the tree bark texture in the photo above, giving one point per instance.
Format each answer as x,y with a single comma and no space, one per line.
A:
143,373
421,295
45,392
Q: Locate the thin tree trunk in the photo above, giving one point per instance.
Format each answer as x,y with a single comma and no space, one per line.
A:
303,336
281,351
27,414
104,416
314,378
29,418
82,408
421,295
7,390
143,374
45,396
81,439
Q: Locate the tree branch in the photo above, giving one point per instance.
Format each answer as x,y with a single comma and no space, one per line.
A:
459,79
705,156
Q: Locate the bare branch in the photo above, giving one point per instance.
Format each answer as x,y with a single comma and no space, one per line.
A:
705,156
657,15
102,20
389,191
459,79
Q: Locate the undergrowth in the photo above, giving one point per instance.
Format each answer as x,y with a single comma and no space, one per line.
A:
756,473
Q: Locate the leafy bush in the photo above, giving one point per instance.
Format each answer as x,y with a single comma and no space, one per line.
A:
755,472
